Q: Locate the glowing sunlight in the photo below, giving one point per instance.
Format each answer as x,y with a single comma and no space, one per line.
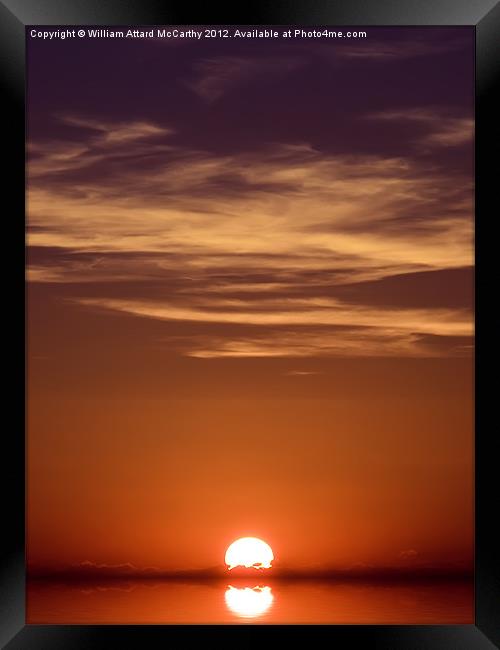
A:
249,552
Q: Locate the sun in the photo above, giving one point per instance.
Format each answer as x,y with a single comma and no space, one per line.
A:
249,552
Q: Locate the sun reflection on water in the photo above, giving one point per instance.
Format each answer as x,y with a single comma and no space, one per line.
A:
248,602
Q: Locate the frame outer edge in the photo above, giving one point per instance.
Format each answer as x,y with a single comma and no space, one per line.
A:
12,568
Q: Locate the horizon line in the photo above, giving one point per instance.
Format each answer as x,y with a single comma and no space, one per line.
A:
222,572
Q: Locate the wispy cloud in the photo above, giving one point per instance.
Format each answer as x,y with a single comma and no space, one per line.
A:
104,140
442,130
324,211
257,238
321,327
385,51
311,311
112,133
214,76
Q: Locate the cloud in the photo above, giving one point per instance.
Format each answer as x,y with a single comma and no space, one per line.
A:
284,237
352,330
104,140
112,133
408,554
386,51
310,311
215,76
441,130
286,201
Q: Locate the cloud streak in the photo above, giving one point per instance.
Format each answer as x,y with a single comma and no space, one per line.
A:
442,130
387,51
215,76
321,328
298,312
262,238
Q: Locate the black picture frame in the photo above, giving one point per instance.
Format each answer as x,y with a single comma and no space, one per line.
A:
485,16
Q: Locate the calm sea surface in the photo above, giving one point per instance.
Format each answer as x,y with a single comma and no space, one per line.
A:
320,602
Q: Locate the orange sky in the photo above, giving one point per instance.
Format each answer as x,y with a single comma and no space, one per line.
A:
137,455
248,320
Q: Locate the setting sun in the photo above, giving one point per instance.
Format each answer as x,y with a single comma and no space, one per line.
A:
249,552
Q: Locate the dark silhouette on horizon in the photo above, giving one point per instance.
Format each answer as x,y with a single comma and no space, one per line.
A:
87,571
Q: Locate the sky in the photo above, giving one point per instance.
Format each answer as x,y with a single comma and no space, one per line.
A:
250,300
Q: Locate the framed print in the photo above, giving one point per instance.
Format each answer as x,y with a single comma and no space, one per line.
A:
256,388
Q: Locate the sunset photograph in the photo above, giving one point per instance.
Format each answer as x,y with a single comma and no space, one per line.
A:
250,326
